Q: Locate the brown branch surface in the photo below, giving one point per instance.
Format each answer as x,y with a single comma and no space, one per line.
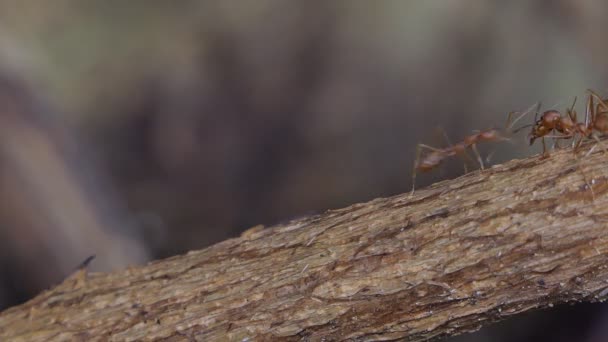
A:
523,235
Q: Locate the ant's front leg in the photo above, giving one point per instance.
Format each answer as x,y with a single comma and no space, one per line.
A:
555,137
545,153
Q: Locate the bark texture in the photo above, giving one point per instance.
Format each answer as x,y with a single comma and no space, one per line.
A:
523,235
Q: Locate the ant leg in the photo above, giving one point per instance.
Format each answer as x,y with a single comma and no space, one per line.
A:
599,142
577,144
590,112
511,122
474,147
582,170
466,158
590,150
579,163
489,157
555,144
572,112
537,111
416,161
430,148
545,154
419,148
445,136
572,115
557,137
600,103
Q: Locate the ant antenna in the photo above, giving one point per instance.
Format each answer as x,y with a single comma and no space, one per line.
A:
511,123
573,103
522,127
572,113
445,135
537,111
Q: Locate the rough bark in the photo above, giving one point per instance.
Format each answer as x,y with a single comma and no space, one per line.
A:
524,235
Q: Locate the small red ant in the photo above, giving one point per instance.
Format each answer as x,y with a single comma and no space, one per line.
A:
436,156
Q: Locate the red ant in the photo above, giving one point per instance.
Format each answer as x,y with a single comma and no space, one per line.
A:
568,127
553,121
596,119
437,155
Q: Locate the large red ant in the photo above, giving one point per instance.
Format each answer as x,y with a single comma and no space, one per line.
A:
552,121
568,127
436,156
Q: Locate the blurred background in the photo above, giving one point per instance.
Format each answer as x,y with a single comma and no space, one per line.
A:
136,130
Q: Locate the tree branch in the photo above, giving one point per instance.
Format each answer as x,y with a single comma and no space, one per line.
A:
523,235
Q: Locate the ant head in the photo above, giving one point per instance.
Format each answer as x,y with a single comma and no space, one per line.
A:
531,138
